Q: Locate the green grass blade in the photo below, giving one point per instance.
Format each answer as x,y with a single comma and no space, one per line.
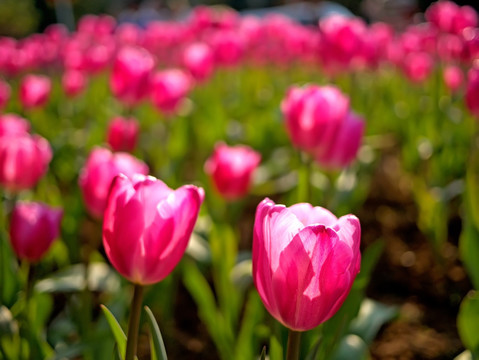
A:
158,351
117,331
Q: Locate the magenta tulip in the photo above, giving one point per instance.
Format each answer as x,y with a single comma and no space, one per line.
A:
453,77
33,228
147,226
231,169
169,88
313,114
35,90
472,91
418,66
5,92
123,134
199,60
304,262
13,125
343,147
24,160
131,73
73,82
101,167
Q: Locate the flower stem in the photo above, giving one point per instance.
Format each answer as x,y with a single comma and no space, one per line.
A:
294,341
132,340
304,180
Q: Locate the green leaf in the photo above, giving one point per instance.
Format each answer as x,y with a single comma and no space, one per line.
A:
116,329
468,322
352,347
158,351
469,250
263,354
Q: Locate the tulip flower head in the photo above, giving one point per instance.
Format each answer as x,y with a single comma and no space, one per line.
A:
231,169
453,77
35,90
199,60
101,167
73,82
33,228
12,124
123,134
24,159
147,226
304,262
168,88
472,91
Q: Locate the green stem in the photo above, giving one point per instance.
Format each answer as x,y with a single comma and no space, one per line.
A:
25,270
294,342
133,326
304,179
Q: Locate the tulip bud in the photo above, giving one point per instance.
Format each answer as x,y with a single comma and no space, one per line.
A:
304,262
231,169
33,228
313,114
35,90
169,88
198,59
472,91
131,73
147,226
453,77
73,82
24,160
123,134
12,125
101,167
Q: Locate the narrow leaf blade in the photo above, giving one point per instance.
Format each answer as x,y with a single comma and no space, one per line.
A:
158,352
117,331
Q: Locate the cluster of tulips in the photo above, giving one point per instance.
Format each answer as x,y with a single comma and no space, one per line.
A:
174,95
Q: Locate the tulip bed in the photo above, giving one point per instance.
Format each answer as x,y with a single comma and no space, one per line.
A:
142,172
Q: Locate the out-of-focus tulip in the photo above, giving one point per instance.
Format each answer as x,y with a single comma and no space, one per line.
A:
5,92
130,78
198,59
304,262
449,17
73,82
472,91
123,134
35,90
228,47
343,147
453,77
101,167
169,88
418,66
33,228
313,114
147,226
24,160
231,169
12,125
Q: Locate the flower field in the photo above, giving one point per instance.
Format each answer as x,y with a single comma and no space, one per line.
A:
233,187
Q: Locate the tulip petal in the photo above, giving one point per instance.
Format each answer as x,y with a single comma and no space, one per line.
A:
309,215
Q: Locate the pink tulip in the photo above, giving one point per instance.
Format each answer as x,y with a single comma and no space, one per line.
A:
33,228
123,134
198,60
418,66
13,125
73,82
228,47
131,73
472,91
169,88
344,145
313,114
449,17
304,262
5,92
35,90
101,167
24,160
231,169
147,226
453,77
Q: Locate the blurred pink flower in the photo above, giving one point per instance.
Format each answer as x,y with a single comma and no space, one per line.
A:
231,169
24,159
73,82
453,77
13,124
472,91
198,60
33,228
5,92
168,88
147,226
98,172
418,66
123,133
35,90
130,78
304,262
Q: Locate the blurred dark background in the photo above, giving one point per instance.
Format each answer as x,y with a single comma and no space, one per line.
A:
22,17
